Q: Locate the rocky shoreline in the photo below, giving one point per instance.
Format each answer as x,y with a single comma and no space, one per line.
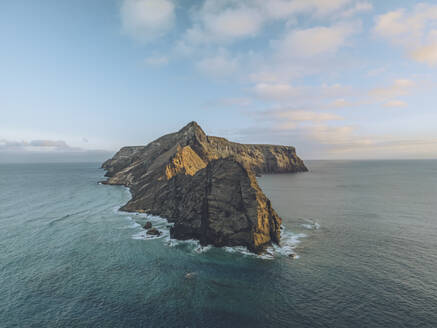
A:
205,185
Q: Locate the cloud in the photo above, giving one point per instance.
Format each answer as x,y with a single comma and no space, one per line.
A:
275,91
220,65
156,61
292,119
56,144
413,30
346,142
314,41
306,116
343,136
377,71
39,145
233,24
234,101
215,25
146,20
312,96
288,119
333,90
426,54
13,151
35,145
279,9
400,87
395,103
303,52
326,7
224,21
340,103
390,25
321,141
359,7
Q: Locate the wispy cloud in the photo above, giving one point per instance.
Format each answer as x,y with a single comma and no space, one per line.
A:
146,20
297,69
413,30
35,145
396,103
156,61
53,146
227,21
400,87
276,91
289,118
13,151
426,54
314,41
219,65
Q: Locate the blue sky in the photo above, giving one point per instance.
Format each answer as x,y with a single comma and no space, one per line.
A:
350,79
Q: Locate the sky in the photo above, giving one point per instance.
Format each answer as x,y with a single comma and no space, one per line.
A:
337,79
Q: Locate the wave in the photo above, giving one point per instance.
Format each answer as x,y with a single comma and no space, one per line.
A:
310,225
289,240
162,225
65,217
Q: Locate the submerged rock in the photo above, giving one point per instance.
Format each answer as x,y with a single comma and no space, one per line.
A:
205,185
148,225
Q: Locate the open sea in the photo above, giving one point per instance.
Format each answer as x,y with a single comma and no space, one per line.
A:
364,234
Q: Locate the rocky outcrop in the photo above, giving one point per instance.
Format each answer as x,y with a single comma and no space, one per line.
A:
205,185
153,232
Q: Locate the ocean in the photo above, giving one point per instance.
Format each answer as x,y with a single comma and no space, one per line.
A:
364,234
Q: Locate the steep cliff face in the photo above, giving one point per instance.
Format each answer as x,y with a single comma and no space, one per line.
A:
205,185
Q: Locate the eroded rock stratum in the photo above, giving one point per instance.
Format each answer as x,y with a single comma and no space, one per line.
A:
205,185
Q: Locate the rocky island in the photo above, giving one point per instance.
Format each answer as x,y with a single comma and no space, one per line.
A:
205,185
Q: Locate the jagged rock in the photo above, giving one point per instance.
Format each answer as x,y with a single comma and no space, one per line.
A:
205,185
153,232
148,225
222,205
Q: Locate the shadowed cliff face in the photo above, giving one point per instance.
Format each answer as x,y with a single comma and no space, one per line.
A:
205,185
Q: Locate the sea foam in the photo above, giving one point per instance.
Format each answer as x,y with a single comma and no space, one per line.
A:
289,240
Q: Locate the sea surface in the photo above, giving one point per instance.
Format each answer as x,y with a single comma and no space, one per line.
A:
364,234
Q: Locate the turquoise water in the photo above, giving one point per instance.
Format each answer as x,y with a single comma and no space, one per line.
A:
365,234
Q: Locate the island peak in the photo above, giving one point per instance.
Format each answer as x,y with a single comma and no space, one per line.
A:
205,185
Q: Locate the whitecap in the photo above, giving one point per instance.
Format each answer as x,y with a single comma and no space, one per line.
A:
191,243
202,249
289,240
142,235
134,225
310,225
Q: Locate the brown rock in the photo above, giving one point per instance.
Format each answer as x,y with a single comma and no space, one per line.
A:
148,225
205,185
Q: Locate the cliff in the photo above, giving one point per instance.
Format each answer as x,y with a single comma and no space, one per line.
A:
205,185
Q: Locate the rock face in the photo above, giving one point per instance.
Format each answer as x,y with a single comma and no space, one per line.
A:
205,185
